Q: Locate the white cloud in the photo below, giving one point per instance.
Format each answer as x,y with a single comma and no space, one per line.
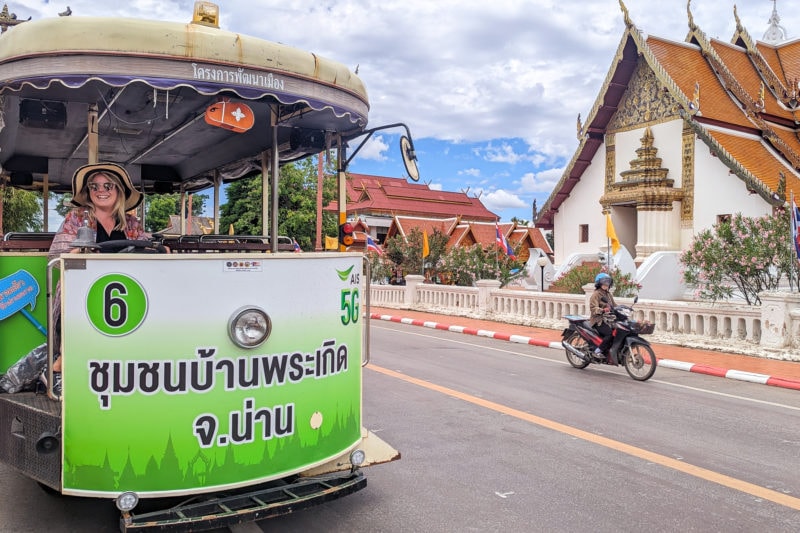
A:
435,186
503,154
472,172
375,148
500,199
544,181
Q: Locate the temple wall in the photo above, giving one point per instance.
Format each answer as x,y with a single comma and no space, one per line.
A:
719,193
583,207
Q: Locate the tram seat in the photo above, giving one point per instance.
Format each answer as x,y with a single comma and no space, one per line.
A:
225,243
26,242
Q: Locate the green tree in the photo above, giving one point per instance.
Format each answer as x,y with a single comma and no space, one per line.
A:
159,207
297,203
22,210
243,206
62,203
741,257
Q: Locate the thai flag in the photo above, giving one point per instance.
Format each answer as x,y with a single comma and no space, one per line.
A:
500,240
509,249
297,249
502,243
371,246
795,226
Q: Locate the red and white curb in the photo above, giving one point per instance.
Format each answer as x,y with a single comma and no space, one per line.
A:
666,363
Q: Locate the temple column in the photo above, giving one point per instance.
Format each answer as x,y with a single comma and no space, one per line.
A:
658,230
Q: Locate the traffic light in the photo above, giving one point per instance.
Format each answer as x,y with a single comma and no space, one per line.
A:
346,234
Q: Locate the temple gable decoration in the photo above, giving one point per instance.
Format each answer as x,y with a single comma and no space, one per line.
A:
646,183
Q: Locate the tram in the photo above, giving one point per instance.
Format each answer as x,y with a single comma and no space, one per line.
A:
219,383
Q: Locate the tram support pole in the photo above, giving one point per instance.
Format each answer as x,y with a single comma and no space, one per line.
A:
217,183
92,135
341,177
273,230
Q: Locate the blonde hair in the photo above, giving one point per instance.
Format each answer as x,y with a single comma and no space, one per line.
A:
119,204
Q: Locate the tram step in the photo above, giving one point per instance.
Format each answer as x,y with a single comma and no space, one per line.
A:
255,503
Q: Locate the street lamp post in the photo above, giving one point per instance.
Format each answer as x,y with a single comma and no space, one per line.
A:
542,262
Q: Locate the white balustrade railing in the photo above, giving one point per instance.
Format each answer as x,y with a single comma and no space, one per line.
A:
770,330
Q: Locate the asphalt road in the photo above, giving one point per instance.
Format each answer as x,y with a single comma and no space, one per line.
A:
503,437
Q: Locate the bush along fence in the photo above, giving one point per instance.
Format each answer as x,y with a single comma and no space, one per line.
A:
771,329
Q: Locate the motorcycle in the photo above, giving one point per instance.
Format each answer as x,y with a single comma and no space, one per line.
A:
580,340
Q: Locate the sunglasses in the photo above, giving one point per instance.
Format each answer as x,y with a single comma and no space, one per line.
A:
107,186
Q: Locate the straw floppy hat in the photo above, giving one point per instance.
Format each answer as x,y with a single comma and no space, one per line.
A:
80,195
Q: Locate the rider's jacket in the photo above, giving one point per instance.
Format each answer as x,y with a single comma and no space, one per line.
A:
597,306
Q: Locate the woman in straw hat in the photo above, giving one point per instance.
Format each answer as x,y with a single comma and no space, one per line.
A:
103,195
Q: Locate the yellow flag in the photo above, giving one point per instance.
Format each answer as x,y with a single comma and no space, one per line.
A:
426,250
612,235
331,243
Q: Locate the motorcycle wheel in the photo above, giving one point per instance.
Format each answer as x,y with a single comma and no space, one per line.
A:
640,361
580,344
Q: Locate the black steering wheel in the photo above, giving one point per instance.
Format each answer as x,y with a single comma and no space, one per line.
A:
124,246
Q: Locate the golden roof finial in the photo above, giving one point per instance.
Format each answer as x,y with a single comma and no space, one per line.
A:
625,13
692,25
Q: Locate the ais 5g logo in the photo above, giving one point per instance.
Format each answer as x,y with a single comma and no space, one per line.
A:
349,297
116,305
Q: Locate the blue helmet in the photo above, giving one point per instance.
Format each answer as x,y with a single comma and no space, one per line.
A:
601,278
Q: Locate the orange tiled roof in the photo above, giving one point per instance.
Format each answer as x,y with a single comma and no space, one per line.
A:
384,196
754,156
460,233
531,237
789,58
404,225
686,66
470,233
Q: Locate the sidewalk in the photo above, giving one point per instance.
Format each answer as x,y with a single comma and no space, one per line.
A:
785,374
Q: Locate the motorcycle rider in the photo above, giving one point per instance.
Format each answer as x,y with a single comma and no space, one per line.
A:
600,305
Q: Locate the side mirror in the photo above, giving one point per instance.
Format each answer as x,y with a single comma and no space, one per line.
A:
409,158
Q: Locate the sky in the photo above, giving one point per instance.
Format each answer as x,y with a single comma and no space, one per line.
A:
490,91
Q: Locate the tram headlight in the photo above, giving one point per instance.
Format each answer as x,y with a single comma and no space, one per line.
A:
127,501
249,327
357,457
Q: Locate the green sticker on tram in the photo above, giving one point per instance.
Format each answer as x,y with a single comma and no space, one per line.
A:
116,304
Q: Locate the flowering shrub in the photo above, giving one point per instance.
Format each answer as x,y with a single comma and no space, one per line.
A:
457,266
741,257
572,282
